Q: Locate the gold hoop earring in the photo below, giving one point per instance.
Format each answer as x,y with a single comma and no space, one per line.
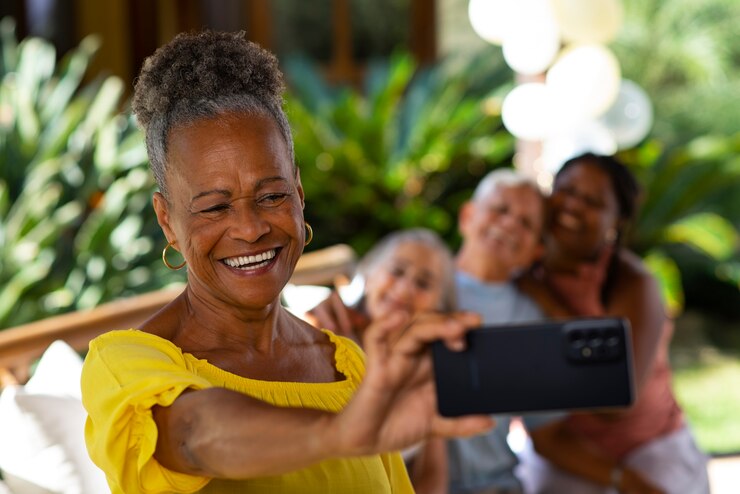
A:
309,234
166,263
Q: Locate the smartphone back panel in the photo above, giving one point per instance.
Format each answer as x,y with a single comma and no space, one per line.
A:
553,365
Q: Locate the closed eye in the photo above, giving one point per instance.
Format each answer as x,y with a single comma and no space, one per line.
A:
273,199
216,208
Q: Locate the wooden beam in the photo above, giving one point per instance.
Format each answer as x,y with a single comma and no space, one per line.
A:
22,345
110,20
423,42
259,23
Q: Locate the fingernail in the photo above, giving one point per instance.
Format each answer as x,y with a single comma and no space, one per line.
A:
457,345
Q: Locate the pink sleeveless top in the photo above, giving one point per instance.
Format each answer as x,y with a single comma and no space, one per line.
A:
655,412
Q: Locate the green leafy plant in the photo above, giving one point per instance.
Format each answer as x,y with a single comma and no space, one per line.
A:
411,147
685,54
76,227
404,151
689,218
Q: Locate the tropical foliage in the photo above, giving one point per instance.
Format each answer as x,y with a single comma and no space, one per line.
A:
405,150
685,54
73,186
76,224
690,211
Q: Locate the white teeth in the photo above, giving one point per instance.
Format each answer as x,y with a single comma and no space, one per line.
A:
569,221
244,262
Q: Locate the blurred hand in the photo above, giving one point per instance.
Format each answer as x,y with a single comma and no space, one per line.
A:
634,483
333,315
396,406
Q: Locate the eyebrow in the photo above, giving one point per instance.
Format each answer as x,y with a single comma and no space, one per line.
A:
424,271
227,193
220,192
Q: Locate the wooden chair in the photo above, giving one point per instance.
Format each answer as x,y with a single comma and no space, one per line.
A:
22,345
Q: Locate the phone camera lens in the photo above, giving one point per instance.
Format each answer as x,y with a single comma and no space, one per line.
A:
577,339
595,339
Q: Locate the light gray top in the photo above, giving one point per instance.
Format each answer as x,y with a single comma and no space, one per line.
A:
487,461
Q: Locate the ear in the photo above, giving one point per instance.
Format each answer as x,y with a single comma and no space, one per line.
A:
161,209
299,186
463,217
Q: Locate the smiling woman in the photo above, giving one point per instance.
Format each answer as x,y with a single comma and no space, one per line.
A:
233,183
586,271
224,390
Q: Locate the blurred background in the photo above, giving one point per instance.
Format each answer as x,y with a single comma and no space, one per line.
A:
398,108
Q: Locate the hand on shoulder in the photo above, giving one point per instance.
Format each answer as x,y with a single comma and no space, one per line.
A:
333,315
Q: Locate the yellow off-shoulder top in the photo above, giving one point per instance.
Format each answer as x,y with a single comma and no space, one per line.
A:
128,372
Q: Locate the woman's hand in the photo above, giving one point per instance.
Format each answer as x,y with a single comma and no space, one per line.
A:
634,483
333,315
396,406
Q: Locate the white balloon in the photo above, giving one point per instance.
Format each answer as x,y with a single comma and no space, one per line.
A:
532,48
495,20
630,118
588,21
526,111
590,136
584,81
490,19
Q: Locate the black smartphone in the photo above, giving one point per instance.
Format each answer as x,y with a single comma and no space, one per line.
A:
550,365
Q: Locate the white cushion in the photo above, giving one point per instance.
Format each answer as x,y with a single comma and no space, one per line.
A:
58,372
299,299
42,444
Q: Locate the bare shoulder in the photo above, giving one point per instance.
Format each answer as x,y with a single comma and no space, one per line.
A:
164,322
634,281
632,268
306,334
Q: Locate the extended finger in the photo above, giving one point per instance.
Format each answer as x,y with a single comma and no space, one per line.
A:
469,425
426,328
376,337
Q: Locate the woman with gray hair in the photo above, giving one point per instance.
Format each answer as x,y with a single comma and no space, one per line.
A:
410,272
224,390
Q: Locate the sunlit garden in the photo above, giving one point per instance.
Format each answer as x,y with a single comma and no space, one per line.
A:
404,148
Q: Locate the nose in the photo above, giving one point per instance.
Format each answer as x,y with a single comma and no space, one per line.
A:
573,201
404,289
248,224
510,222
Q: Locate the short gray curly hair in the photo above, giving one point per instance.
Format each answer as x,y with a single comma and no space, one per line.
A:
201,75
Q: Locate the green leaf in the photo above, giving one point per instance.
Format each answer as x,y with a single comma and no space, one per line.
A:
707,232
9,45
668,275
73,70
30,273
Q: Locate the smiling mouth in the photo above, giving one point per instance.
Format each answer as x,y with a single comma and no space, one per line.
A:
248,263
501,237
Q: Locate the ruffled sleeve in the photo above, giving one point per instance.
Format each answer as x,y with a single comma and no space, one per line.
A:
125,374
349,357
